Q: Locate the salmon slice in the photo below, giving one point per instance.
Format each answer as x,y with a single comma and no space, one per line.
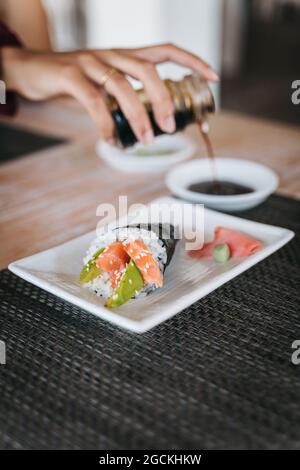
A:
113,260
240,245
143,258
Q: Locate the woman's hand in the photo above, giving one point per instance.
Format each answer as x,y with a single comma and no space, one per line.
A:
38,76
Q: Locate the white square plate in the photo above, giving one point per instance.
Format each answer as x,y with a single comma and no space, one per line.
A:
186,280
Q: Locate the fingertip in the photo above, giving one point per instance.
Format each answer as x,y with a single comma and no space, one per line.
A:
147,137
212,75
168,124
111,141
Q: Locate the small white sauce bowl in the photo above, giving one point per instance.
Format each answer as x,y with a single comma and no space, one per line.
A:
262,179
172,149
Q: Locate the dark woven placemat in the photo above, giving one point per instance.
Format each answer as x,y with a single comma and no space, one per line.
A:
16,142
217,375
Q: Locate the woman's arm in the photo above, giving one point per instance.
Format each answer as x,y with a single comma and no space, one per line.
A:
29,19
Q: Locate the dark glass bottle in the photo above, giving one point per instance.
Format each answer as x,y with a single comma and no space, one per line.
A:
192,99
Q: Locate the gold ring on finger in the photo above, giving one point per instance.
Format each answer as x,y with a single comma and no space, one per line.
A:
107,75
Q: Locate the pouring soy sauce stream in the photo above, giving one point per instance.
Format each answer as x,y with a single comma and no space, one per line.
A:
215,186
204,131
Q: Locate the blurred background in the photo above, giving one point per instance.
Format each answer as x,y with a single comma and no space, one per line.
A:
253,44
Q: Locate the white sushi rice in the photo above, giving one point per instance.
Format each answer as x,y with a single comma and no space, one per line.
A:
101,286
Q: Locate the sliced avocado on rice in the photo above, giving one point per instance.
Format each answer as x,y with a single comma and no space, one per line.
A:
131,283
90,270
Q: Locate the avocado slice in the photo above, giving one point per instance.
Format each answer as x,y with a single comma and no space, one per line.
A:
90,270
131,282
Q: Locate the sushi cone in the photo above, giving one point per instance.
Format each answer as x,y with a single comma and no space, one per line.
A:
128,261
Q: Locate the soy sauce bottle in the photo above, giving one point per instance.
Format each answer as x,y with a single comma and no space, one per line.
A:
192,99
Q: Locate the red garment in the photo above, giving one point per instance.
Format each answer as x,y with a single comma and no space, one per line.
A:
8,38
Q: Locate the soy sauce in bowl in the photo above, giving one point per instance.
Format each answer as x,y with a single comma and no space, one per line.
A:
220,188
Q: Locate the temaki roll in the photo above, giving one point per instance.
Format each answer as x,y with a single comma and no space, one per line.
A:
128,262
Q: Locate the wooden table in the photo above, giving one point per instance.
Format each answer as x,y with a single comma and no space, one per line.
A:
51,196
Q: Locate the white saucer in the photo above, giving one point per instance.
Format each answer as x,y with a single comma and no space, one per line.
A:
171,148
262,179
